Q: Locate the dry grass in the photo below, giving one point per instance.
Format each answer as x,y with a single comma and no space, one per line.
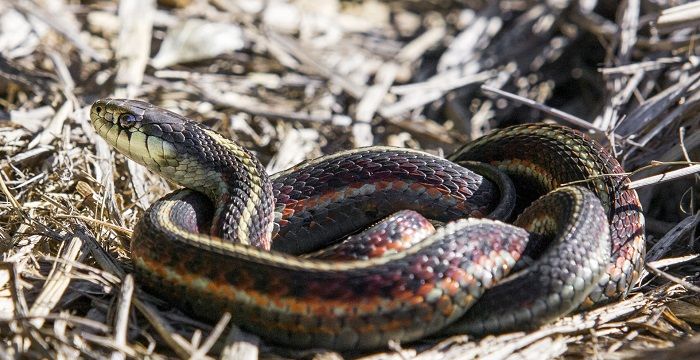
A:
295,80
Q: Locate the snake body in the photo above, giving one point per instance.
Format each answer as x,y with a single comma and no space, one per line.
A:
405,295
541,158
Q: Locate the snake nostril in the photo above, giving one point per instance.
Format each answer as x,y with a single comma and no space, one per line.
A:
98,109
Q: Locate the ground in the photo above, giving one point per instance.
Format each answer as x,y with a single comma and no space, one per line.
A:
295,80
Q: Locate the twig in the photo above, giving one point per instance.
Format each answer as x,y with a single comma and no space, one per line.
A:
544,108
121,321
661,178
71,35
681,16
672,278
213,337
58,280
108,225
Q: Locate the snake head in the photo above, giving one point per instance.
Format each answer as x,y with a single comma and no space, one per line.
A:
181,150
189,154
163,141
146,134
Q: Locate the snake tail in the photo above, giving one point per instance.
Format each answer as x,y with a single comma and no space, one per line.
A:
540,158
576,256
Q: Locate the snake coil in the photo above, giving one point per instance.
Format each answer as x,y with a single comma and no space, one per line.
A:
226,243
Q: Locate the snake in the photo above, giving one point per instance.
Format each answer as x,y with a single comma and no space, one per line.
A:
237,240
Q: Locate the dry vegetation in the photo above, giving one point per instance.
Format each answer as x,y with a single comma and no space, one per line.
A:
296,80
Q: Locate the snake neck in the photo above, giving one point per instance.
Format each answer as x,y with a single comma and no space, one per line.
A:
240,188
185,152
232,178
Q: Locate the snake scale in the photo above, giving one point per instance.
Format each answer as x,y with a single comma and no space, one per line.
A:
230,241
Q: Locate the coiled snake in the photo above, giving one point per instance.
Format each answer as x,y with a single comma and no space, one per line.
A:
592,235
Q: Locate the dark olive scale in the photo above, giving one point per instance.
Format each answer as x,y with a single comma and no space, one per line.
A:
153,130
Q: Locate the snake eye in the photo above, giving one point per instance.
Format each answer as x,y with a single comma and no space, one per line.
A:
126,120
